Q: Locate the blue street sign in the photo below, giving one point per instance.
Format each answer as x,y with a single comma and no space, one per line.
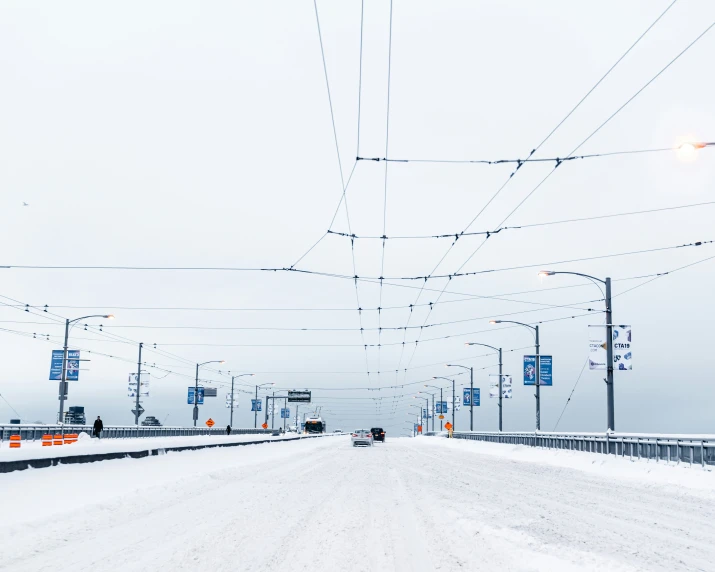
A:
545,370
425,414
441,407
471,397
72,365
285,412
256,404
190,396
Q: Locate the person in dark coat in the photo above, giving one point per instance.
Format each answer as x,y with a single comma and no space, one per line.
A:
228,429
98,428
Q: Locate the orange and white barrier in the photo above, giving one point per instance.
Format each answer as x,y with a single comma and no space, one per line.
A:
70,438
58,440
47,440
15,441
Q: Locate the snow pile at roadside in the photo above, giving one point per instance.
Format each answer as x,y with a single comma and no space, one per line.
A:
641,470
92,446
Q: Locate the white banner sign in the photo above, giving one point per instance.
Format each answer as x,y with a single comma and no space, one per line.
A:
505,386
228,401
132,385
622,346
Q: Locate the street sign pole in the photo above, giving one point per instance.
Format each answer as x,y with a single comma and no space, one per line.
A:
471,399
139,381
609,359
500,391
538,382
441,420
63,382
196,396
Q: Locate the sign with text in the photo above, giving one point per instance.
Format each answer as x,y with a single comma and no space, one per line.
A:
285,412
472,397
506,392
256,404
545,370
298,396
598,347
72,365
191,396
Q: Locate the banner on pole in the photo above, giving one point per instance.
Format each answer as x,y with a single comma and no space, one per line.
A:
458,402
285,412
143,385
598,347
256,404
545,370
190,396
441,407
228,401
505,386
72,365
426,414
472,397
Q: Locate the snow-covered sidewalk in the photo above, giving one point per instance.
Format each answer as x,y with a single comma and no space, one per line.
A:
89,446
320,504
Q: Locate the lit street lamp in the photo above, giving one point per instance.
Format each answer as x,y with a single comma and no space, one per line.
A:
232,393
535,329
500,376
196,388
609,340
471,399
63,378
255,411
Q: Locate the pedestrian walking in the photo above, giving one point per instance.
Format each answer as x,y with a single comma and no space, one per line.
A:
98,428
228,429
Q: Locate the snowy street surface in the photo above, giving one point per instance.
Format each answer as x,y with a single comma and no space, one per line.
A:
322,505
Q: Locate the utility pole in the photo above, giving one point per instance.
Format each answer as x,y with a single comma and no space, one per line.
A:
196,396
538,381
266,419
231,417
500,392
139,384
63,382
453,404
285,415
273,411
609,359
471,399
255,410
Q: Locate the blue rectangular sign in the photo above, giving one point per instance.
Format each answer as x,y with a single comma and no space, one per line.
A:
72,365
285,412
441,407
425,414
256,404
190,396
545,370
472,396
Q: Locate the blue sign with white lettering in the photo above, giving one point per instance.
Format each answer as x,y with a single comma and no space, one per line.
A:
545,370
441,407
471,397
72,365
256,404
190,397
285,412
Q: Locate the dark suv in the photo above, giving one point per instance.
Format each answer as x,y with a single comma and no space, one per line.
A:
377,434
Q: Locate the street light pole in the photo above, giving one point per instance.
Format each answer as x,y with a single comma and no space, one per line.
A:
471,397
233,377
610,400
196,387
139,384
535,329
500,375
63,377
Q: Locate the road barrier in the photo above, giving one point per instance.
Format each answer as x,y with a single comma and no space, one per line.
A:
47,440
15,442
71,438
693,449
37,432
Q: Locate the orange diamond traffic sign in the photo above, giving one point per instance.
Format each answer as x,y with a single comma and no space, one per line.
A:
210,423
265,425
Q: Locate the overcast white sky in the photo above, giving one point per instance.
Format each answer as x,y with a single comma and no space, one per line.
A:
194,134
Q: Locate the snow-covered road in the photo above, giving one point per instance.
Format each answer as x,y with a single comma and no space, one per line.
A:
410,504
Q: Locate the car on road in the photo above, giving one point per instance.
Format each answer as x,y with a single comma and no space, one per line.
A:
378,434
361,437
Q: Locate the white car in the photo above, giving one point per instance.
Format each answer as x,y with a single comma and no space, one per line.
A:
361,437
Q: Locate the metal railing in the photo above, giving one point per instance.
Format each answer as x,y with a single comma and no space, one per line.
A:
35,432
693,449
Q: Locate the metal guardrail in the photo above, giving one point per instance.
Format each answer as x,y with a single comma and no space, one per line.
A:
698,449
35,432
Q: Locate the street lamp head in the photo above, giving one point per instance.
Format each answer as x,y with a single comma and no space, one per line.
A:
688,151
222,361
495,322
547,273
109,317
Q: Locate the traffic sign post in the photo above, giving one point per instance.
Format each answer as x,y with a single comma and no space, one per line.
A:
210,423
448,427
265,425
